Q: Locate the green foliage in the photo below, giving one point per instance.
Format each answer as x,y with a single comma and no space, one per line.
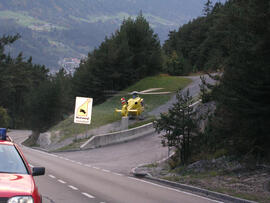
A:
52,30
197,44
240,124
175,65
140,123
178,126
233,37
208,7
244,89
104,113
4,118
48,103
29,95
25,20
129,55
17,77
205,93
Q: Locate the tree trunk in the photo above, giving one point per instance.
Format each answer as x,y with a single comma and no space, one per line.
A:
32,140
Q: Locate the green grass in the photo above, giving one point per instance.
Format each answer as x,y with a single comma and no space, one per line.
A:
196,179
102,18
23,19
242,195
142,122
73,146
30,143
105,113
153,165
218,181
120,16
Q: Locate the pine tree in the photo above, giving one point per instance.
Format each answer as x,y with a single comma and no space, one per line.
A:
208,7
130,54
178,125
4,118
244,91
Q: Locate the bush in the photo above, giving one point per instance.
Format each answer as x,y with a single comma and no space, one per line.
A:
4,118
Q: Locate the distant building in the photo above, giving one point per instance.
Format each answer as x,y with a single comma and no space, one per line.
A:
69,64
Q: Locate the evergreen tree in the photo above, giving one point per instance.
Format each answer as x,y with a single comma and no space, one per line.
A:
199,42
244,91
17,77
130,54
208,7
178,126
4,118
49,103
31,97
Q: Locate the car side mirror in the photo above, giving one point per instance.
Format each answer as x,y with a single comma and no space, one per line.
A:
38,171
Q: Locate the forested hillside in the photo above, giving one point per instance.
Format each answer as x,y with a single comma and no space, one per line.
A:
32,98
130,54
26,89
200,44
51,30
232,38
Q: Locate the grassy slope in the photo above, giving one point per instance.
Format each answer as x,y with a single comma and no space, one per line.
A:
25,20
104,113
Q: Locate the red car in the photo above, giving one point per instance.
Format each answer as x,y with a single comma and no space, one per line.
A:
17,184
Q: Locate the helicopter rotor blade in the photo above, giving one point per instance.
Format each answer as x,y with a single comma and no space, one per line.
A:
155,93
144,92
150,90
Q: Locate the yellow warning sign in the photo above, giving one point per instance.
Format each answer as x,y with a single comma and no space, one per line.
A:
83,110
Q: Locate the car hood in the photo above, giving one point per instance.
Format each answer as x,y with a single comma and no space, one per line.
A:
15,184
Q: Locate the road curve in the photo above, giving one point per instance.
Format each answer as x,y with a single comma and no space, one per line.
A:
102,175
72,181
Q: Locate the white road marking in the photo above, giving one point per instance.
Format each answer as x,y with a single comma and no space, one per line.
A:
61,181
118,174
96,167
107,171
88,165
52,176
88,195
42,152
72,187
168,188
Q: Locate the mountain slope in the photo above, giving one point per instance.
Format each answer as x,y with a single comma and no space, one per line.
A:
52,30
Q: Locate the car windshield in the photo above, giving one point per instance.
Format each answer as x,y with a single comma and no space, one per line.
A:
11,161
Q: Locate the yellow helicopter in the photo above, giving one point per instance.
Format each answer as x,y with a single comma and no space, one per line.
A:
135,105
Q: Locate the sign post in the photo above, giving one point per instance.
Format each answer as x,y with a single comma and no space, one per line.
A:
83,111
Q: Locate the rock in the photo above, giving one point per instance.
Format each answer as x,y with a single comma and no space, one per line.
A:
44,139
203,111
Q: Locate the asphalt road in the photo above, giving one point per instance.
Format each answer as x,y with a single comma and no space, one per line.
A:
102,175
71,181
